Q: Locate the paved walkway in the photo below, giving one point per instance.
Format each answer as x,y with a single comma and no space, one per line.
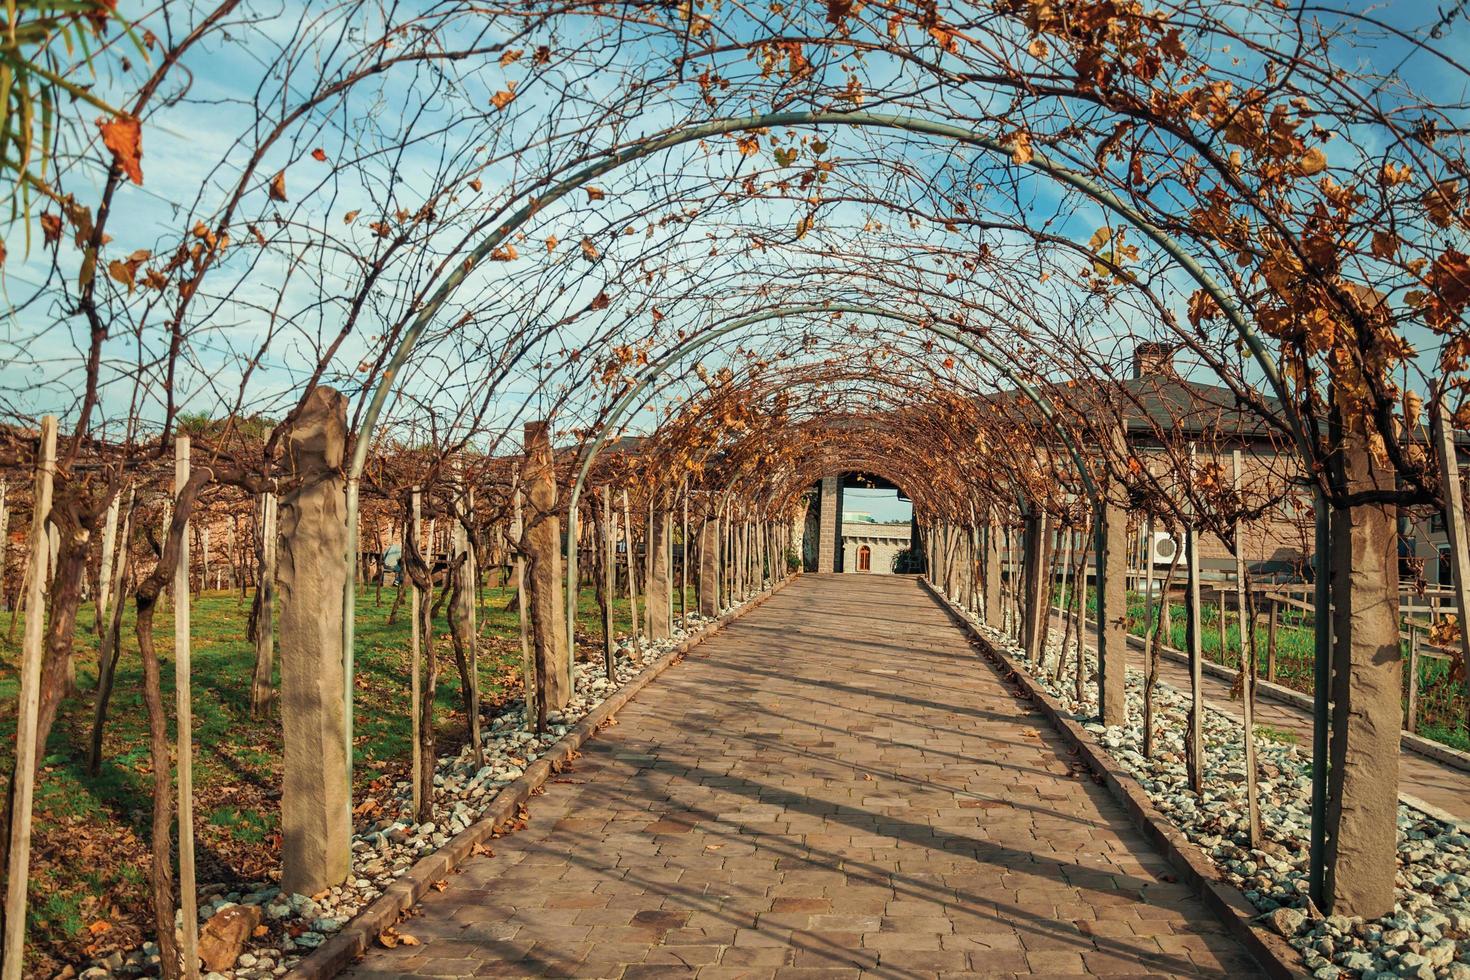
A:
834,786
1434,782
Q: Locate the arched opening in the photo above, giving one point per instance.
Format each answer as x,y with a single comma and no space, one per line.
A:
858,522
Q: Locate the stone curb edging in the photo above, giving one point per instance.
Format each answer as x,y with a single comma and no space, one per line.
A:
357,936
1277,957
1418,744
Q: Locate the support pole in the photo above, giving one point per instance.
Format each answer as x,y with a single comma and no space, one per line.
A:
1112,612
609,580
684,564
18,873
1454,524
1247,670
528,664
184,719
1367,665
416,655
632,577
1194,740
104,567
314,579
262,683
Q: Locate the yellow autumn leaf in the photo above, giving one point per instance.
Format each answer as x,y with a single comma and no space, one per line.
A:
1313,162
1020,144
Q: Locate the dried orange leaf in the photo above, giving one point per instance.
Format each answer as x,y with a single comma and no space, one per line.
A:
123,135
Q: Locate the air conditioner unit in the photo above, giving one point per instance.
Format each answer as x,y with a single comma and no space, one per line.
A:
1164,547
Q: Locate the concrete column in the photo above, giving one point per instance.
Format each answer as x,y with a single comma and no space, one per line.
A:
993,608
1112,614
544,583
1361,852
311,575
709,566
660,589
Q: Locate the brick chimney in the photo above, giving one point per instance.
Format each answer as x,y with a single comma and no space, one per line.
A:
1151,358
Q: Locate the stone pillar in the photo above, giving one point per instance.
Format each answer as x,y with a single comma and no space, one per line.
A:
1361,855
709,566
544,583
311,575
660,589
1112,614
829,525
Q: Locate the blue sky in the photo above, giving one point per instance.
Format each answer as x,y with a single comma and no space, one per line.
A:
186,149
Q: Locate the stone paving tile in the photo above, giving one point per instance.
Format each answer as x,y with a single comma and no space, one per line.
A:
835,786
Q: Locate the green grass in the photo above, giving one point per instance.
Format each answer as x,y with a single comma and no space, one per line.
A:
1279,735
1442,699
90,855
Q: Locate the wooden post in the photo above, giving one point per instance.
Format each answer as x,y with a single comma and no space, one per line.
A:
1248,671
1069,585
104,567
1454,524
1038,599
1220,621
684,565
609,580
262,684
632,578
184,715
1088,544
1194,740
1271,641
464,550
18,873
4,542
109,635
204,560
528,665
416,655
1411,714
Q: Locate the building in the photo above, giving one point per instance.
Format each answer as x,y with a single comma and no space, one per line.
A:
873,548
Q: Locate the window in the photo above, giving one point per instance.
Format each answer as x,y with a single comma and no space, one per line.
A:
865,559
1445,573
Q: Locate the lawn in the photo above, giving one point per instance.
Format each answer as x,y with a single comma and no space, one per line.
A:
1442,699
90,854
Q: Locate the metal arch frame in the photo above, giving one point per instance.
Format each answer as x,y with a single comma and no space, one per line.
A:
858,118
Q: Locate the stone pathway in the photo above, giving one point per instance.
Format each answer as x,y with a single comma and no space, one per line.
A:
834,786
